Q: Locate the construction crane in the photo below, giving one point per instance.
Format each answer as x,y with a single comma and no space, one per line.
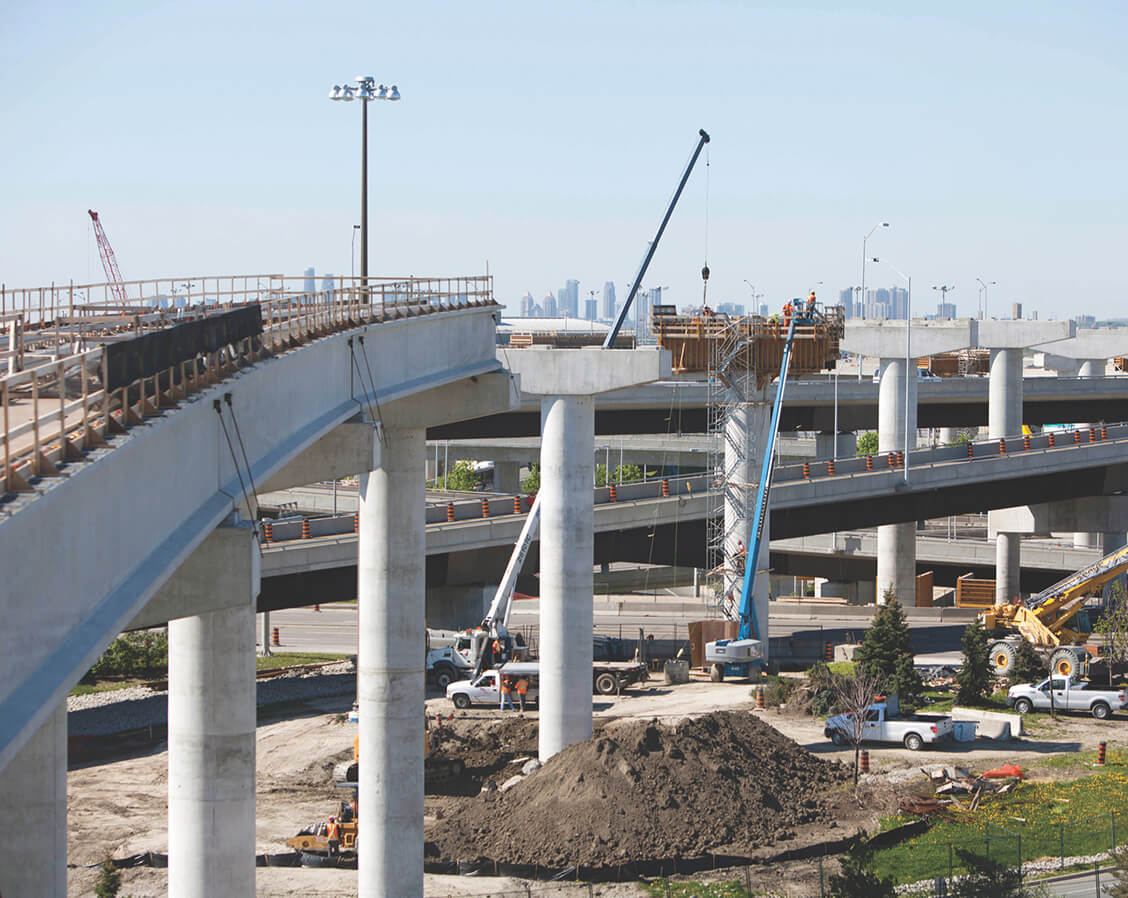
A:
1044,620
740,656
493,626
109,260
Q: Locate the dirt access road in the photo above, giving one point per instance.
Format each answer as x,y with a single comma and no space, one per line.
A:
120,808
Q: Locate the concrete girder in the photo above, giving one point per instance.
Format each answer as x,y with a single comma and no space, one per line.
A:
1091,343
996,334
585,372
1095,514
886,339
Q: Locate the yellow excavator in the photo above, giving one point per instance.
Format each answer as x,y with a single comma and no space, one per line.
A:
1054,621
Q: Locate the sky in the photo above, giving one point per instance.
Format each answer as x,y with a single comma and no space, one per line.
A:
544,140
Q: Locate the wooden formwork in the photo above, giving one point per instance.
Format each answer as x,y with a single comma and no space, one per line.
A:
567,339
957,364
973,593
692,341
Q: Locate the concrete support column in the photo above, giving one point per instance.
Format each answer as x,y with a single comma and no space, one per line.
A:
507,477
265,648
33,824
390,685
1089,368
847,444
211,752
566,557
948,435
746,437
896,543
1004,402
1008,552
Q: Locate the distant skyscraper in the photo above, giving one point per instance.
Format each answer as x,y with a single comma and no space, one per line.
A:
945,311
549,305
846,300
763,310
310,281
572,292
609,301
899,303
527,303
1016,311
591,309
562,308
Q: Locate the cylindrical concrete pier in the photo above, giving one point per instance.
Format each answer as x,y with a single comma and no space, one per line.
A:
33,825
211,754
390,659
1008,549
1004,402
896,543
566,546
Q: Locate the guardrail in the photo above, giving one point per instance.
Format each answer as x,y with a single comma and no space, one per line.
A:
63,403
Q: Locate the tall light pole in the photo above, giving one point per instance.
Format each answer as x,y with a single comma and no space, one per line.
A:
983,296
944,291
880,224
367,91
908,354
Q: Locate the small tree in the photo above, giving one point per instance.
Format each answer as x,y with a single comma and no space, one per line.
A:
886,652
109,881
1028,665
856,878
461,477
867,443
1113,626
1120,861
974,676
531,484
852,695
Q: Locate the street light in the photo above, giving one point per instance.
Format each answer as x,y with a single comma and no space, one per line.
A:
944,291
983,296
880,224
908,356
366,92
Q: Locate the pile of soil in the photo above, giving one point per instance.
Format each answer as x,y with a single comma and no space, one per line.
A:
639,790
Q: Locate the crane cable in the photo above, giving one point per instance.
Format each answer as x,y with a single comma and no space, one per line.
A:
705,267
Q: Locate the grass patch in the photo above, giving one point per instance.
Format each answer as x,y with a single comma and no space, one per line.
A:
103,686
663,888
290,659
1049,819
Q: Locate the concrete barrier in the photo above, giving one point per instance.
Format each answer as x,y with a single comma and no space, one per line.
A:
676,672
992,724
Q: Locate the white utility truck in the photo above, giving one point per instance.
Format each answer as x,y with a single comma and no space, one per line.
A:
881,723
1067,695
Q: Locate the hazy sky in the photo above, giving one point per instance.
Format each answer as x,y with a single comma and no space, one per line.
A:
545,140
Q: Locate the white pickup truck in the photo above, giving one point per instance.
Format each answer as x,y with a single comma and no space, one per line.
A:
880,723
1068,695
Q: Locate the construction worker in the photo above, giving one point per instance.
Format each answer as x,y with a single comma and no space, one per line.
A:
505,699
787,310
334,834
521,688
811,305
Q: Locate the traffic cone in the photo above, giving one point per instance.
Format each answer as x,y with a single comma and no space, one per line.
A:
865,761
1101,753
274,637
760,699
305,528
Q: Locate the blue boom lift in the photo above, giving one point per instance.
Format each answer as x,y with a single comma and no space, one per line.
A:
741,656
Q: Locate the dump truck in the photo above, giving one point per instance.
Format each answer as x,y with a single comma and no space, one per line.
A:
1054,622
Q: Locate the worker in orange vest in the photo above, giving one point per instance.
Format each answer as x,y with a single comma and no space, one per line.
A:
811,305
787,313
334,834
522,687
505,699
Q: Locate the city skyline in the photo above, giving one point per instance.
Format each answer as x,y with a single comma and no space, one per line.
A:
235,164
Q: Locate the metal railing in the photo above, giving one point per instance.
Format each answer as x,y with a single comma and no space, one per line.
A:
54,401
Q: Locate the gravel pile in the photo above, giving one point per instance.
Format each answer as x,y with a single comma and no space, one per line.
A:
104,713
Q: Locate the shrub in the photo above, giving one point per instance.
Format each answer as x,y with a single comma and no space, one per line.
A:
867,443
143,653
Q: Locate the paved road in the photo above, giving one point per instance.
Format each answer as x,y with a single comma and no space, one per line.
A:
1083,887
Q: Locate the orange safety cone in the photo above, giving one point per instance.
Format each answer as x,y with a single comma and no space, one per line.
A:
1077,437
450,511
1002,447
901,459
807,470
1026,441
356,523
971,450
829,653
869,462
760,698
1104,432
892,459
865,761
612,494
485,508
274,637
1053,440
305,528
1101,753
665,488
516,504
268,529
830,468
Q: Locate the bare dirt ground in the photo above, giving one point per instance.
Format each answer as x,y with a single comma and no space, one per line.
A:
120,808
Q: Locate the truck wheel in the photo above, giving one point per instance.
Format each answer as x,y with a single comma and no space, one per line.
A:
1065,662
461,700
443,675
1023,706
913,742
838,737
606,684
717,673
1003,656
1100,711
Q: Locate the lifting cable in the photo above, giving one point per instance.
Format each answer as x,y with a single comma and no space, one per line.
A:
705,267
243,449
374,408
218,406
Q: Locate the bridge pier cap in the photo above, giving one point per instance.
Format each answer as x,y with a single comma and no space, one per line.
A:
585,372
1093,514
1022,334
1087,344
886,339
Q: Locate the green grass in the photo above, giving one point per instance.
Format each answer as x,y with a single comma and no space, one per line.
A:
289,659
694,889
1040,814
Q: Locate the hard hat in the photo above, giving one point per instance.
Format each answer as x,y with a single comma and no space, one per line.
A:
332,819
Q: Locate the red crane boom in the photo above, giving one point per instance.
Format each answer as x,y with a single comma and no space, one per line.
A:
109,261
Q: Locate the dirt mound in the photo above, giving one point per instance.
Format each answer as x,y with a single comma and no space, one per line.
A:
725,782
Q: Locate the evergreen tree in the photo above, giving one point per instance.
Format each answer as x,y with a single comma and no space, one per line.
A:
867,443
886,652
1028,665
531,484
108,882
975,673
857,879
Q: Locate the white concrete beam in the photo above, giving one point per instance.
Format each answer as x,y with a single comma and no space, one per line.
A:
585,372
1095,514
994,334
886,339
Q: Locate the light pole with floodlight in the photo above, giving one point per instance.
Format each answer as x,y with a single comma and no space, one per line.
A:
367,91
943,291
983,296
908,356
880,224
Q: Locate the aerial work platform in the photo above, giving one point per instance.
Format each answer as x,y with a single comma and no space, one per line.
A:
750,343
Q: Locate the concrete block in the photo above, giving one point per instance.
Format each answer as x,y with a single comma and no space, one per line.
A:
845,653
676,672
992,724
